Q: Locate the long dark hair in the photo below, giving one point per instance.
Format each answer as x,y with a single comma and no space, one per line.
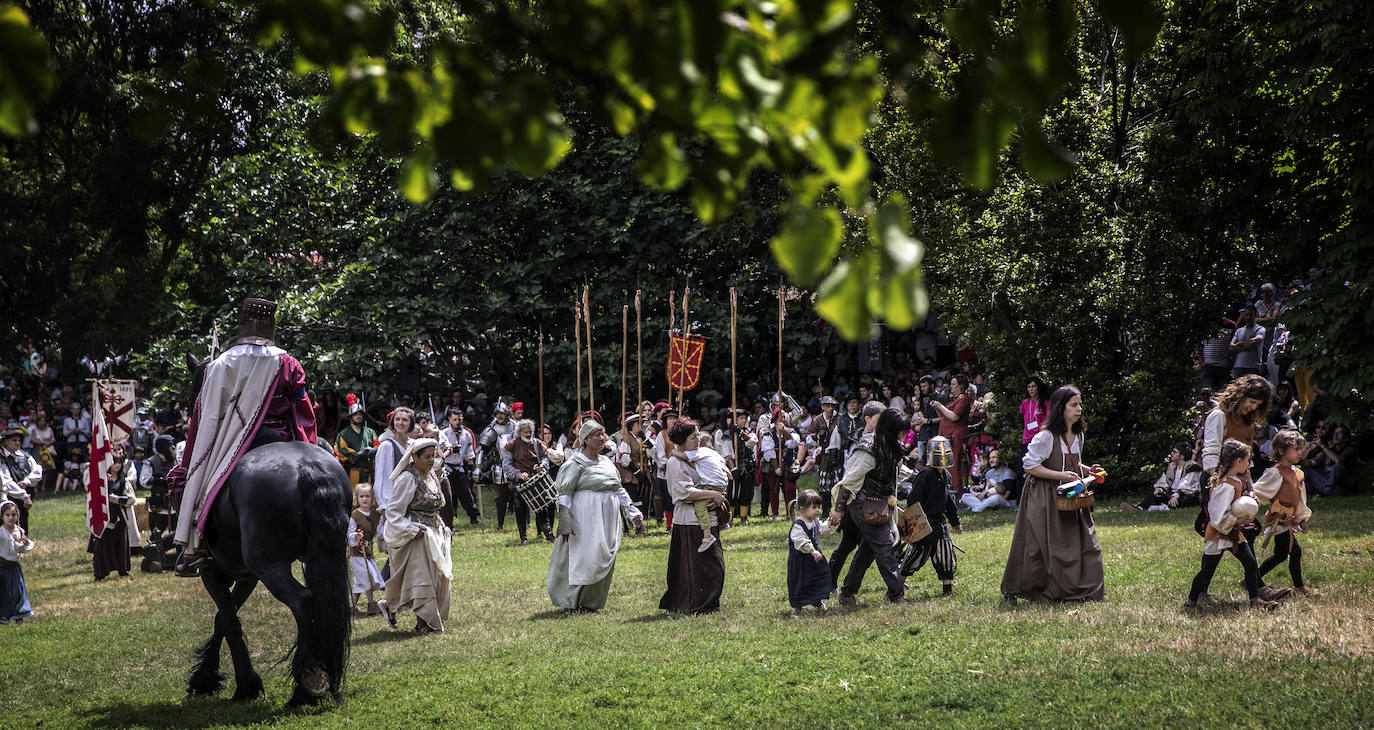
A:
887,443
1042,396
1057,424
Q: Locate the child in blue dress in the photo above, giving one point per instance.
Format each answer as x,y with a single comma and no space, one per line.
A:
14,597
808,573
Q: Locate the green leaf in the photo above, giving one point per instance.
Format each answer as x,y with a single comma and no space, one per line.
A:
418,179
808,242
25,77
843,299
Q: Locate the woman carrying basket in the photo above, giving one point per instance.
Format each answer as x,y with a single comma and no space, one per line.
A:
1054,554
591,501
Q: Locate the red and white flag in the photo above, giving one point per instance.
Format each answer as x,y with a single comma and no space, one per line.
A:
117,400
102,456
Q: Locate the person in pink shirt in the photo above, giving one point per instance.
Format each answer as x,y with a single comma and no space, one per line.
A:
1034,409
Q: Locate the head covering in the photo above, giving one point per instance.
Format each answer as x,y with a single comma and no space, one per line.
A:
415,447
353,405
828,401
257,323
163,445
11,432
629,418
941,455
588,429
517,406
501,407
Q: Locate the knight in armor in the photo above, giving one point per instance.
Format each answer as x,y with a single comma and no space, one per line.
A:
492,440
930,488
356,444
251,394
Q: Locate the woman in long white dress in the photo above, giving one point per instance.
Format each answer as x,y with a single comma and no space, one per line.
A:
591,502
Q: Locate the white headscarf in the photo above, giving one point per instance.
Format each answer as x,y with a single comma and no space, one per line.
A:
404,462
589,427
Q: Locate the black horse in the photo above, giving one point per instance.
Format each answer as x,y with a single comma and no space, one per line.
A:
284,502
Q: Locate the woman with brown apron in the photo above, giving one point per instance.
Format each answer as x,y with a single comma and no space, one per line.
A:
1054,554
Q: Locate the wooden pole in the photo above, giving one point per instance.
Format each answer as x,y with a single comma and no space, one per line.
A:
782,309
639,356
577,359
686,332
591,378
541,380
734,412
624,353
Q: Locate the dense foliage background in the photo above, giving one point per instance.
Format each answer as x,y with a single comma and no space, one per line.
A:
1088,190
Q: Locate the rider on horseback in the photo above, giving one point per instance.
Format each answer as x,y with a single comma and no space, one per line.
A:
252,394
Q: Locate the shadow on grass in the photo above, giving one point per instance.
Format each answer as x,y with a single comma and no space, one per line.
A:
386,636
655,617
193,712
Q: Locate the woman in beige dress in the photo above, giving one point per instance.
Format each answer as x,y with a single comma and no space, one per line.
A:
421,564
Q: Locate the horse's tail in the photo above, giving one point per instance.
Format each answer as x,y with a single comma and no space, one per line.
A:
327,504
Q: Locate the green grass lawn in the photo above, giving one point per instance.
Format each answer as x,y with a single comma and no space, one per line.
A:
117,653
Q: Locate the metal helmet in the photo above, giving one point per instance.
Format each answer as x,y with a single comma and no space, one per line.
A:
503,407
941,455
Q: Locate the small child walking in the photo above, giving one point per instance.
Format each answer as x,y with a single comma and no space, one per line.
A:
1230,482
14,595
808,573
1282,485
362,527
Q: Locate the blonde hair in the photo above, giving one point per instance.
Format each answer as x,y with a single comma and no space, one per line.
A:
364,487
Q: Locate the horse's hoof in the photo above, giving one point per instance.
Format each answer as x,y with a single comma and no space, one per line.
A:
206,684
315,683
248,689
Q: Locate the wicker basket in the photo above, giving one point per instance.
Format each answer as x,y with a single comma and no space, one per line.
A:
1071,504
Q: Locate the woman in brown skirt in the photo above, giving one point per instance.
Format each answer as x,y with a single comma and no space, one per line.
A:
695,578
1054,555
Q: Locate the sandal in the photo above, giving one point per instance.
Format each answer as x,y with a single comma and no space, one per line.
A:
388,614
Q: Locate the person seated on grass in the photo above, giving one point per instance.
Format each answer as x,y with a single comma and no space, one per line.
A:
1178,486
998,488
715,475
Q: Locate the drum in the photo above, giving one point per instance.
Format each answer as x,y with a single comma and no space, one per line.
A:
538,491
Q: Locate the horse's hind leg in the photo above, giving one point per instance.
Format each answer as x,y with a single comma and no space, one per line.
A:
247,683
312,682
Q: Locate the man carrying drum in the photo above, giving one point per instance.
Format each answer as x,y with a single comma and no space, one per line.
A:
525,458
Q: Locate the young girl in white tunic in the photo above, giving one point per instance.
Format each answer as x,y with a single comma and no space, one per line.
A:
362,528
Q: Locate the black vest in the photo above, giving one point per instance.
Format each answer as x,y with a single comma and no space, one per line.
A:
879,481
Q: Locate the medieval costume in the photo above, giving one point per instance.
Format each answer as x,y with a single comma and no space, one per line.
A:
14,594
930,489
356,443
1222,535
252,394
527,455
830,464
592,504
808,579
1054,554
1282,485
421,563
866,493
19,472
695,579
110,551
492,453
458,465
366,577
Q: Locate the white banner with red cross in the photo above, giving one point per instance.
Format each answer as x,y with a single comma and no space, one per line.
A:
118,400
102,456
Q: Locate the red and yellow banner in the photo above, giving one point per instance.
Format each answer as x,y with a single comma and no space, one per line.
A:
684,361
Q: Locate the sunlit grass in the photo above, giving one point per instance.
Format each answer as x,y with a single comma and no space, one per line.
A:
117,653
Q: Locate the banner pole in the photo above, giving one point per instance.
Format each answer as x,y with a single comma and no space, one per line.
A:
591,378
